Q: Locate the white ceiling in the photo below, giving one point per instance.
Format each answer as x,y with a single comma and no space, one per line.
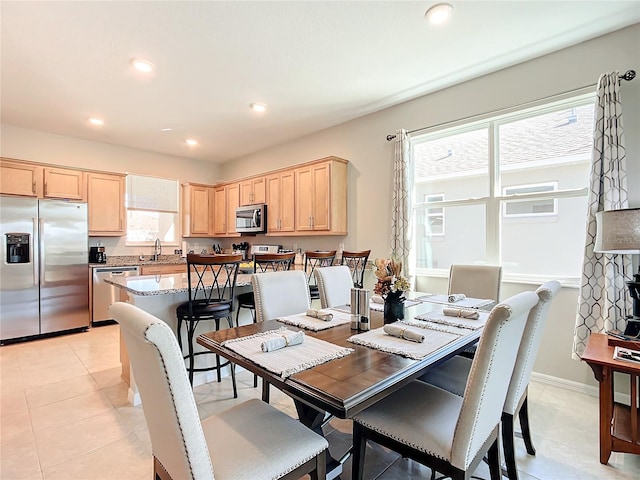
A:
315,63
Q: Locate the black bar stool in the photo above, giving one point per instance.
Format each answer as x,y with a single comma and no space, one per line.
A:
263,262
357,263
313,260
212,280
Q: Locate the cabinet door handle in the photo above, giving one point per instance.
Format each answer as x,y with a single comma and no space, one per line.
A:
46,190
33,187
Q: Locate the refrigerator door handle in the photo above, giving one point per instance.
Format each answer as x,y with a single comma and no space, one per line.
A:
33,247
41,248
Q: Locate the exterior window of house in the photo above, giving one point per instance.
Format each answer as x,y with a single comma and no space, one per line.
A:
152,211
434,216
530,208
514,186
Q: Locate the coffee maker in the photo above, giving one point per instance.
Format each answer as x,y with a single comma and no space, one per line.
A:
97,255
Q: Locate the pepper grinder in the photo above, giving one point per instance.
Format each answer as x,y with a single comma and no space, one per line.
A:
355,308
364,297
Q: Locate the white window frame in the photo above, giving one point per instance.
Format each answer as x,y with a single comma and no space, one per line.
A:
528,197
492,202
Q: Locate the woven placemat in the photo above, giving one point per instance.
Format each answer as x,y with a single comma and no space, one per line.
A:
288,360
315,324
433,341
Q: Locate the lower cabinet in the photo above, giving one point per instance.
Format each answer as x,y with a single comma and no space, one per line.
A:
163,269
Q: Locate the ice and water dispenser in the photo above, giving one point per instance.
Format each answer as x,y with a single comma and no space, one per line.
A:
17,247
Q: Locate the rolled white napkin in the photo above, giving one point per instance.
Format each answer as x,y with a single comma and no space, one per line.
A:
320,314
461,313
402,332
377,299
455,297
283,340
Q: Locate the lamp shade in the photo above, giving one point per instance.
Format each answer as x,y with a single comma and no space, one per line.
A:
618,231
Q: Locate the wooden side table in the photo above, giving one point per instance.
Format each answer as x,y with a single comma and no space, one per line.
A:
618,423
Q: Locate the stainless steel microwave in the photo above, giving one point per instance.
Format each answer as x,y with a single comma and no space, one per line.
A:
251,219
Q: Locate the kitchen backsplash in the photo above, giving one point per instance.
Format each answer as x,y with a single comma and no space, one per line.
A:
115,246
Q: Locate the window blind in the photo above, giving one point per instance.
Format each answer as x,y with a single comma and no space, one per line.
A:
151,193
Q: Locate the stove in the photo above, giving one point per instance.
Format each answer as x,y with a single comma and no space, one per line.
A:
264,249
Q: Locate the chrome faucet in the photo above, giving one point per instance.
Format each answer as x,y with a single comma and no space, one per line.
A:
157,250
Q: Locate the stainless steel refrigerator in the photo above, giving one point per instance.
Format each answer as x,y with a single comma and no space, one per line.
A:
44,274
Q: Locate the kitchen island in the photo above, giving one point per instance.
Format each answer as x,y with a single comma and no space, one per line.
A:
160,295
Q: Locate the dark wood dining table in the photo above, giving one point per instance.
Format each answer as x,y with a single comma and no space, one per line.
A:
344,386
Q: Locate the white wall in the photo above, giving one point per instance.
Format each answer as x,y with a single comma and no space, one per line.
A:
37,146
362,142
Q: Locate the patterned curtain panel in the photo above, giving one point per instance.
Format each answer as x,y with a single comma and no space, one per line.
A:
604,300
401,225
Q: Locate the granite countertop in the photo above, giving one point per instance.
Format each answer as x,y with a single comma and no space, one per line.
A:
134,260
148,285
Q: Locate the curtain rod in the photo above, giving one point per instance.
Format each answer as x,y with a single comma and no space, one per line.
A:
628,76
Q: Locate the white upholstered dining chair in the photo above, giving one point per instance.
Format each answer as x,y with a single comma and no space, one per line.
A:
334,285
277,294
249,441
280,293
447,432
452,376
476,281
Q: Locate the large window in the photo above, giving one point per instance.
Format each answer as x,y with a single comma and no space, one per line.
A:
515,186
152,210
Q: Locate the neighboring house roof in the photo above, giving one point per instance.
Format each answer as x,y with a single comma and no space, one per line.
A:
561,135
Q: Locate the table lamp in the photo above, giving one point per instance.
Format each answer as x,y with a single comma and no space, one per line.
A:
618,231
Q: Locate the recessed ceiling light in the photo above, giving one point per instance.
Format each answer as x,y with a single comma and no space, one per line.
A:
142,65
191,142
439,14
166,129
96,121
258,107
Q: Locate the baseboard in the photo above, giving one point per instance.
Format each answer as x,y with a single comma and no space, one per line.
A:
577,387
565,384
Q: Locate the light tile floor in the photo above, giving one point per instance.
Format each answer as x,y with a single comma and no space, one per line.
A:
64,415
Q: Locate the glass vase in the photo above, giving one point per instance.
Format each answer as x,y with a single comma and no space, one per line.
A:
393,307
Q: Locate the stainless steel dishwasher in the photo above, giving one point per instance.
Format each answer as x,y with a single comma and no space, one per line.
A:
104,294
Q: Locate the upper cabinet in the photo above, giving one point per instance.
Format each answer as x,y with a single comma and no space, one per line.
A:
31,180
321,197
196,210
281,202
20,179
226,198
253,191
64,183
106,204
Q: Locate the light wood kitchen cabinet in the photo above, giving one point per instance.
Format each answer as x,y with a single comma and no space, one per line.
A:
281,202
64,183
252,191
321,197
196,210
226,198
20,179
105,204
163,269
233,202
